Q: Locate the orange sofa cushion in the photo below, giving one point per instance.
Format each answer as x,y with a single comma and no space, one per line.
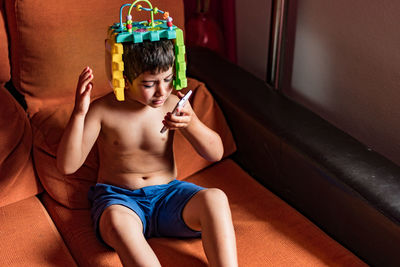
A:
17,178
71,190
268,231
30,238
187,160
77,230
4,61
46,66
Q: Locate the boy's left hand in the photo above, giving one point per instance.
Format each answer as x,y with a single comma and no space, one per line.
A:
182,118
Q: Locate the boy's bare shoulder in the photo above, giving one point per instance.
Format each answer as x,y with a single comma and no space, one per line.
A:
172,100
173,97
100,106
105,101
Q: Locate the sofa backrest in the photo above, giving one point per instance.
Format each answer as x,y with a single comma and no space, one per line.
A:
4,61
52,41
17,177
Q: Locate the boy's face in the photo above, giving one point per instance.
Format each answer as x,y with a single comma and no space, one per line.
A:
151,89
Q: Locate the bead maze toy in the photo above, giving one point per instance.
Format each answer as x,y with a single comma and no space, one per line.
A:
137,32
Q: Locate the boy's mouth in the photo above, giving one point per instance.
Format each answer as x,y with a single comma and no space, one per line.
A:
158,101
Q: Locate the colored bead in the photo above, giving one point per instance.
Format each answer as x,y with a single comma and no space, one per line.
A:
129,26
129,22
169,24
166,15
129,17
169,19
155,10
139,8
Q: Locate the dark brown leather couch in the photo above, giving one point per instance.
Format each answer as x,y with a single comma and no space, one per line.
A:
348,190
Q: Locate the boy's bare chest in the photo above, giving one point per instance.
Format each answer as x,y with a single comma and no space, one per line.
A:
134,132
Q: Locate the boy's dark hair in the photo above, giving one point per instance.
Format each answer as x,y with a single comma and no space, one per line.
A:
147,56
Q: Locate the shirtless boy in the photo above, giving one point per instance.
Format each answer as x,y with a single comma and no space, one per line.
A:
137,195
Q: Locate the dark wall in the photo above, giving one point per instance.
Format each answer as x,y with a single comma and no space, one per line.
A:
343,62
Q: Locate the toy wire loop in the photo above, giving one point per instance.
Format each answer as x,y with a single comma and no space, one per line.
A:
139,8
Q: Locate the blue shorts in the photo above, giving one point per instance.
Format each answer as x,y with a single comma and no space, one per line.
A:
159,207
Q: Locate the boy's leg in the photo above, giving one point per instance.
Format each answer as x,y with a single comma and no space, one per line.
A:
122,229
209,212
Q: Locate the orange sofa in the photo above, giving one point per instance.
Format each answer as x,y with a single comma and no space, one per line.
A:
44,215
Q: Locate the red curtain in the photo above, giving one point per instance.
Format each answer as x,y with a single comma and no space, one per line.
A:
217,19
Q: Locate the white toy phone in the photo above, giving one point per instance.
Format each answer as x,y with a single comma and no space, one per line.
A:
181,103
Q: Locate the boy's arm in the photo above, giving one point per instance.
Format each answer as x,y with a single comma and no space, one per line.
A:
205,141
82,129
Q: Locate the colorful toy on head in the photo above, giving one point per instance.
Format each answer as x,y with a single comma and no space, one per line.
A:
137,32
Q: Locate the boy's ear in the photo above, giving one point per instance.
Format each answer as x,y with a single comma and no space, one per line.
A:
127,83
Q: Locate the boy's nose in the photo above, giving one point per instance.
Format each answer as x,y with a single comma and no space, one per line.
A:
162,89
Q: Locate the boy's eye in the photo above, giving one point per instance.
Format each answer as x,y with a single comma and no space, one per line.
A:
148,85
168,79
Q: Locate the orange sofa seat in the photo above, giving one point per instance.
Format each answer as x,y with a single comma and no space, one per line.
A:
30,238
269,232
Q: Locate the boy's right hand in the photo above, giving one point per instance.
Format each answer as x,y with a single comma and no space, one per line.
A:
83,89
